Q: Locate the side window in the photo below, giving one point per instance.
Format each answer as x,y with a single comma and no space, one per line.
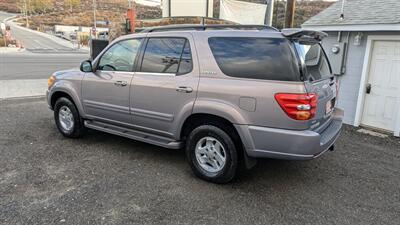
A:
255,58
120,57
185,66
163,55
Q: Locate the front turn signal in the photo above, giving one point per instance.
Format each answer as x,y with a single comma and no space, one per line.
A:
51,81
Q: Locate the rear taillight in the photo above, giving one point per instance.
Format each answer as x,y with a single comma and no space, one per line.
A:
298,106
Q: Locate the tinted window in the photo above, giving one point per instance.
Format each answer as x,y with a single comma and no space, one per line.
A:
185,65
256,58
162,55
316,64
120,57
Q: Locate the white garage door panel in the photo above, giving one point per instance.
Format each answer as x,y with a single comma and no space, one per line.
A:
382,105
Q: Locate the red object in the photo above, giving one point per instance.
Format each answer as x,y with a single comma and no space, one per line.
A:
298,106
131,14
94,31
8,34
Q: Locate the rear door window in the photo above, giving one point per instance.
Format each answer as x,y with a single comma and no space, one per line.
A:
255,58
167,55
315,63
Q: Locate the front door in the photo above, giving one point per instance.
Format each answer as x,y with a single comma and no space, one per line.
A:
165,85
382,100
106,91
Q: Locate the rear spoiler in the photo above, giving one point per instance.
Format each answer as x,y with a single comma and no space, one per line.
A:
307,36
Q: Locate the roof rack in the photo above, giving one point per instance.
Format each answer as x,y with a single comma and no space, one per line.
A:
201,27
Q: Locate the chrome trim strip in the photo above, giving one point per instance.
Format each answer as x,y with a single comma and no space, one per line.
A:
155,74
120,72
152,114
105,106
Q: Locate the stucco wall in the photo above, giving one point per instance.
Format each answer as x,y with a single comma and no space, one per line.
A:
350,80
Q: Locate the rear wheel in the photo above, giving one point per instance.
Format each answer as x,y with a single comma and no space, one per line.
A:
67,118
212,154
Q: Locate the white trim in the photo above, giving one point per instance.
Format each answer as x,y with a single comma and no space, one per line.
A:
364,78
355,27
155,74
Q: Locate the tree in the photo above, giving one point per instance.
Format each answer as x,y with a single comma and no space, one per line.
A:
29,7
71,4
42,6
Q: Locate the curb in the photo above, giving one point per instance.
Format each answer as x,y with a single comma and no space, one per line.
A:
23,99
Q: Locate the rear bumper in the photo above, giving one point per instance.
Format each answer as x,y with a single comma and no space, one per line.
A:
264,142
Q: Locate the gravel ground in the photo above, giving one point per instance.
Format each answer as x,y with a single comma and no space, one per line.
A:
105,179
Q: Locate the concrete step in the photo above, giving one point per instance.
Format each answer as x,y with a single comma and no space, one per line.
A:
22,88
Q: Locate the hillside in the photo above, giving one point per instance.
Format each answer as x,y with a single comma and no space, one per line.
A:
58,12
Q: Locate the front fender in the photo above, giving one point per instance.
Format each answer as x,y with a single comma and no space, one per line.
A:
73,89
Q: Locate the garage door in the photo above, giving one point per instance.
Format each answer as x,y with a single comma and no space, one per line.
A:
382,101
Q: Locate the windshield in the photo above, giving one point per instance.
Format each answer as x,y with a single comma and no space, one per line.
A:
314,62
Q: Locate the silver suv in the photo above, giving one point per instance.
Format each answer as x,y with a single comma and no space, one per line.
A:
226,94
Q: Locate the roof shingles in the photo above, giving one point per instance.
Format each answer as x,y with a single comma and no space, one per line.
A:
358,12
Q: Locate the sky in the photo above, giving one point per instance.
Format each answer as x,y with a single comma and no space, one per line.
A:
148,2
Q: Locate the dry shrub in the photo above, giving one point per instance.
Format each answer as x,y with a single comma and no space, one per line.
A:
2,43
83,39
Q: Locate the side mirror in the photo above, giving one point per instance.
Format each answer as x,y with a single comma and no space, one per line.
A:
86,66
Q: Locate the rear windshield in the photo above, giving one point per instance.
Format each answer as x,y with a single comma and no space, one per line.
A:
255,58
315,62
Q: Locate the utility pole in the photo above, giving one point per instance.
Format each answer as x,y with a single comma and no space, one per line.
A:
94,17
289,16
26,13
269,14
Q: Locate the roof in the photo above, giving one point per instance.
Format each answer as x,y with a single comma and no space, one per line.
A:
201,27
210,31
358,15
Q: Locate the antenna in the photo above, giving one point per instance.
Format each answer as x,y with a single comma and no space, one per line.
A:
342,11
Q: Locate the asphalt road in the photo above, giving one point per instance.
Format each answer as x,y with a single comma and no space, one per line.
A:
43,56
36,41
36,66
104,179
5,15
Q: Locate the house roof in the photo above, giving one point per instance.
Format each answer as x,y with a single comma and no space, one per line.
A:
359,15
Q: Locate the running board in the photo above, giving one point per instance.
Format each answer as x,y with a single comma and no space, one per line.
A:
134,134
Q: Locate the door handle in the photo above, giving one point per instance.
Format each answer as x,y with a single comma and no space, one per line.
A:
120,83
368,89
184,89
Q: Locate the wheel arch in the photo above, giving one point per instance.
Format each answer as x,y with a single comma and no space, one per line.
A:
197,119
61,92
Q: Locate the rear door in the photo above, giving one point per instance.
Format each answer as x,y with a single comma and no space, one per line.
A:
318,79
164,89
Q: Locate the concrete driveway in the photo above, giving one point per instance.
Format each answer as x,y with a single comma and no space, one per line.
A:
104,179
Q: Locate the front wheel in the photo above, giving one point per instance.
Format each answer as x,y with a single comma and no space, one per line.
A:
67,118
212,154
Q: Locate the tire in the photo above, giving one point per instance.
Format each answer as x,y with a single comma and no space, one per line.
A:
72,130
204,165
